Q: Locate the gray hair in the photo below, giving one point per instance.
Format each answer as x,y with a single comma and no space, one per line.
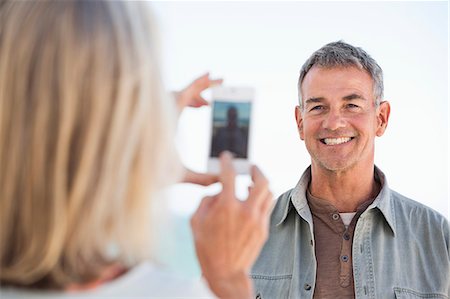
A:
341,54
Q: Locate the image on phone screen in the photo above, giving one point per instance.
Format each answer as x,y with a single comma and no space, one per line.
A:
230,131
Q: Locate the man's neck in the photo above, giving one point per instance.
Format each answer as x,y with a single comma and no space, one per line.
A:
347,189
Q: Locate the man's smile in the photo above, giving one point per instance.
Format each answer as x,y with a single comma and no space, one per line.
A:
336,141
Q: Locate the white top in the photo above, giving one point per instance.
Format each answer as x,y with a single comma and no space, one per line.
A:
143,281
347,218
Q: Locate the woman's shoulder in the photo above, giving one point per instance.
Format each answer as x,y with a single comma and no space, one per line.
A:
143,281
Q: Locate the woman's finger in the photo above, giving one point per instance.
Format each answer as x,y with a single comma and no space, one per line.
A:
227,176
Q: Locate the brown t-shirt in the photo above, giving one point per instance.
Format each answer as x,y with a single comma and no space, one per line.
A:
333,248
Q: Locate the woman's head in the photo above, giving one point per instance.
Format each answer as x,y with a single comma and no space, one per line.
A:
85,137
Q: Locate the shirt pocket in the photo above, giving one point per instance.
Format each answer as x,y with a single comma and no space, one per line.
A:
272,287
403,293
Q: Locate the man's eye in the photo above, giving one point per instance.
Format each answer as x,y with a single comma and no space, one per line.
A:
352,106
318,107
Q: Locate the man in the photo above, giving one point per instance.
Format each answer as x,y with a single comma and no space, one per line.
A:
342,232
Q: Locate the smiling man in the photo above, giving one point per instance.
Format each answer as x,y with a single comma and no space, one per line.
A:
342,232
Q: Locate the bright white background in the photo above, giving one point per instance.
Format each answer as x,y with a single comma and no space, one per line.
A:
264,44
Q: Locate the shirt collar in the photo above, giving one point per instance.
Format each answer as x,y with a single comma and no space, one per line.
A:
298,199
383,201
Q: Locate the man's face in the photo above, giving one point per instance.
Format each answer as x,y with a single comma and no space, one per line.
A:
339,120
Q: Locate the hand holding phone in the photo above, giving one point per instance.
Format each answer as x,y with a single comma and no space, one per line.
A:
191,96
229,233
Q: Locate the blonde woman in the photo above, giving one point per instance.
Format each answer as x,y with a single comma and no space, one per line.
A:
86,135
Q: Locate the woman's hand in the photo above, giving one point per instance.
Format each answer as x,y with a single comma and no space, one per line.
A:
191,95
229,233
202,179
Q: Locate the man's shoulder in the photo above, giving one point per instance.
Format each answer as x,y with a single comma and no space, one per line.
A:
410,205
416,212
284,199
282,206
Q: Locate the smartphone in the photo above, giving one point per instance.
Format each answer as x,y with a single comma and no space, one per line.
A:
231,119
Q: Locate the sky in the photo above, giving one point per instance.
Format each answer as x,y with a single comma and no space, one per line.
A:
220,110
264,44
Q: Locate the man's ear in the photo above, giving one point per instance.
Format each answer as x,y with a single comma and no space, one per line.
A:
383,112
299,119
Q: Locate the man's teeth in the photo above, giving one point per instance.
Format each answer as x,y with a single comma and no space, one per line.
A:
335,141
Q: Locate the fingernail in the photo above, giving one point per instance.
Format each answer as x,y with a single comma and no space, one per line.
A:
226,154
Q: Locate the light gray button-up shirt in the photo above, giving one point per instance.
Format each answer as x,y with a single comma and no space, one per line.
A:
401,249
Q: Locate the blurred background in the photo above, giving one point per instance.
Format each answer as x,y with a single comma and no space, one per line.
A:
263,45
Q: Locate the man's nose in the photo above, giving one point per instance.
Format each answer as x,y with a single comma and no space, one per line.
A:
333,121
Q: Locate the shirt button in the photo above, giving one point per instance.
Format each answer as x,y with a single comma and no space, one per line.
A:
346,236
258,296
344,258
307,287
335,216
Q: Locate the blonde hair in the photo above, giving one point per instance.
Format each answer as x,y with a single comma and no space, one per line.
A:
86,135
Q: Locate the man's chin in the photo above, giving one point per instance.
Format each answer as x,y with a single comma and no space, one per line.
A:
335,166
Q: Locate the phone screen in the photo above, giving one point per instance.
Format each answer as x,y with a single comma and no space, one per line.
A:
230,128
